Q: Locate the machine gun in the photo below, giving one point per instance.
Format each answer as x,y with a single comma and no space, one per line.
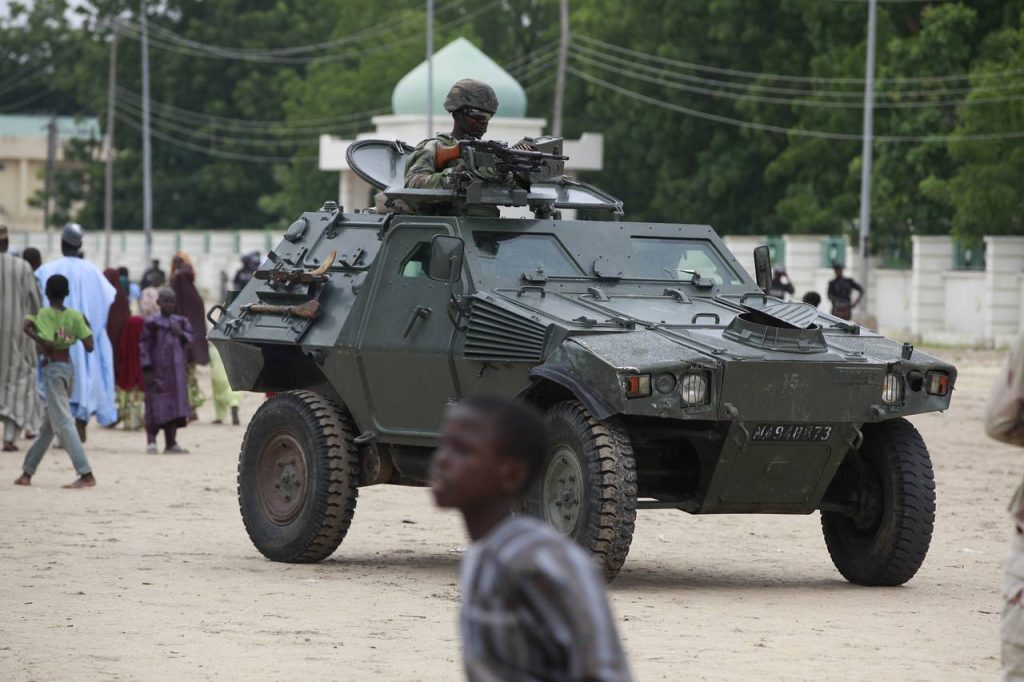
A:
492,160
494,175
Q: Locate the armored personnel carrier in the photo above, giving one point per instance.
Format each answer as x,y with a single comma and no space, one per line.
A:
670,380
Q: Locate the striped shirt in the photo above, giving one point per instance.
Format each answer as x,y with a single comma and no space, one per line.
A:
534,608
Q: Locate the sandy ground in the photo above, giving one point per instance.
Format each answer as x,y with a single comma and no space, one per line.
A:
151,576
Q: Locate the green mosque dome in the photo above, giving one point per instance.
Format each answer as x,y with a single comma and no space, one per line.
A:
458,59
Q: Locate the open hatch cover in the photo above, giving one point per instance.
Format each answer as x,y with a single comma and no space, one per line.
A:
381,163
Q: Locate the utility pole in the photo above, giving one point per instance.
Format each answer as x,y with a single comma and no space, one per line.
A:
51,162
430,68
867,149
108,187
563,57
147,160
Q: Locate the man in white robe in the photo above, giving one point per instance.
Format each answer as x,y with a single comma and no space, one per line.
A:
91,294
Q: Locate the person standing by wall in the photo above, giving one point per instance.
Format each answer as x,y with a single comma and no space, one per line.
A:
840,293
56,329
20,407
781,286
153,276
250,263
533,604
162,354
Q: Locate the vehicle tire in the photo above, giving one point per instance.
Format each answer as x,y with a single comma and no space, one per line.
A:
587,487
297,477
886,541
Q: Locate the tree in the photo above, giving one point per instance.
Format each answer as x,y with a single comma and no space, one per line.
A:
984,190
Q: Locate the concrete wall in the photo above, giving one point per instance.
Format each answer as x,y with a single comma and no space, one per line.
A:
930,302
889,292
212,252
963,306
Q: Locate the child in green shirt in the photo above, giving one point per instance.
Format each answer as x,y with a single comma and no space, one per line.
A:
55,329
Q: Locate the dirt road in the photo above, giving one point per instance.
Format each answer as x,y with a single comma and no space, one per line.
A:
150,576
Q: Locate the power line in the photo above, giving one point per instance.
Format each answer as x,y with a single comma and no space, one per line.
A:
539,66
170,46
821,134
245,138
255,53
786,77
234,156
538,58
893,2
39,94
286,125
19,80
664,78
743,87
746,88
519,61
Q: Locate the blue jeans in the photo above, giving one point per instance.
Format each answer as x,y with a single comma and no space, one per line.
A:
57,419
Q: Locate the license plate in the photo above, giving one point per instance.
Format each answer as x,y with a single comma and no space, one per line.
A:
813,433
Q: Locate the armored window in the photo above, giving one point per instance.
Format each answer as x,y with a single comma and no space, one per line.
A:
678,259
510,254
417,263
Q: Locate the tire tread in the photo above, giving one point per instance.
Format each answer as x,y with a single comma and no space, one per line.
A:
334,510
913,482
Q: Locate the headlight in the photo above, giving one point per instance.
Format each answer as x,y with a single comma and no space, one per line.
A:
892,389
665,383
693,389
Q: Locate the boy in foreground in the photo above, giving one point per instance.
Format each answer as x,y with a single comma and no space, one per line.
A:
533,605
55,329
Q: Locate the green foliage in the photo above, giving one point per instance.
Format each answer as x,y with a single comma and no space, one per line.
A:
984,190
212,169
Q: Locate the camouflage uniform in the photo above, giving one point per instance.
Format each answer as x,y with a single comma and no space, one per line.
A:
1004,423
1012,630
421,171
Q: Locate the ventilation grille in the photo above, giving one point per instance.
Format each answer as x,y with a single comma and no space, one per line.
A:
496,334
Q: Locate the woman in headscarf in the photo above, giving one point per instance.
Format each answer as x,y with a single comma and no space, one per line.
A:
120,310
190,304
124,329
128,378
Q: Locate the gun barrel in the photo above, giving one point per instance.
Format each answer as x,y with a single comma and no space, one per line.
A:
502,149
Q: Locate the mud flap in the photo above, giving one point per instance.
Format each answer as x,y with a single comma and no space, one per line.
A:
774,477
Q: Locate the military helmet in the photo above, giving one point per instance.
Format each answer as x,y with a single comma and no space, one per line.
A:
471,93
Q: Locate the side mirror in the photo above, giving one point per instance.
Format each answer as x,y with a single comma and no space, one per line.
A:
446,256
763,267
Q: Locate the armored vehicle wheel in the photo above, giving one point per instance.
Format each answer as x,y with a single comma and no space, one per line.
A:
587,488
297,477
885,541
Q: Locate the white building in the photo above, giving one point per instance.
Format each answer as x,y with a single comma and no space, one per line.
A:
408,120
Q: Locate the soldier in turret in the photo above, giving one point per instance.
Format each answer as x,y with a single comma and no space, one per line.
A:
471,103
